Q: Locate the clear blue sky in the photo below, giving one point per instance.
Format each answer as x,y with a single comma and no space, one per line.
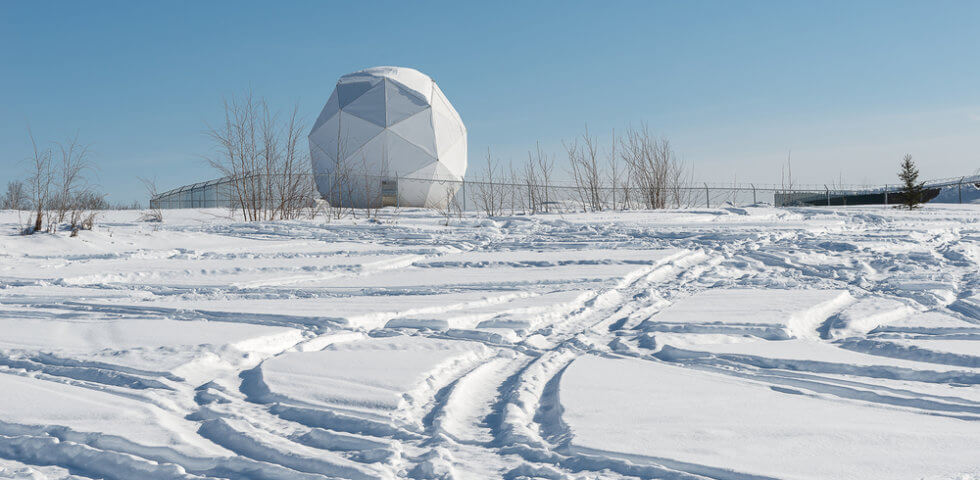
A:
848,86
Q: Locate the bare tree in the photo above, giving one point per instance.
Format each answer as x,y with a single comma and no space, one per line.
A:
237,145
545,165
371,187
295,190
678,182
509,187
39,183
619,188
285,166
343,186
350,186
786,181
73,191
586,170
15,198
530,182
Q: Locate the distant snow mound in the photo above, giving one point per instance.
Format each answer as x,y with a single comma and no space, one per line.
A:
971,194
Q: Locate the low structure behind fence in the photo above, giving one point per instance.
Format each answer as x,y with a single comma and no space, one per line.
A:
217,193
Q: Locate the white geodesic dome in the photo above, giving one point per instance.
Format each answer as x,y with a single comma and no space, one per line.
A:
388,136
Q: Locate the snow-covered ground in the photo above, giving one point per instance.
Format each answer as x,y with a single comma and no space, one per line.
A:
731,343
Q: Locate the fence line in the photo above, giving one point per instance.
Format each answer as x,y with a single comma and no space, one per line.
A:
561,196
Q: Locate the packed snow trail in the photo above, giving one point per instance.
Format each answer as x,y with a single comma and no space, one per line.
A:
730,343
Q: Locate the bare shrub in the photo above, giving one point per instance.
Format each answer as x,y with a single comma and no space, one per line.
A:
154,213
334,186
287,167
449,207
618,182
534,180
530,183
490,191
83,207
370,188
654,170
512,188
786,178
260,153
319,207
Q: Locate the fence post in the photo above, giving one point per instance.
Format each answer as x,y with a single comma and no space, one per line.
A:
886,194
754,201
464,194
828,195
960,188
707,196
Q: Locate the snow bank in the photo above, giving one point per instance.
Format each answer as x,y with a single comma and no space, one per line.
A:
31,406
725,427
767,313
393,376
970,193
865,315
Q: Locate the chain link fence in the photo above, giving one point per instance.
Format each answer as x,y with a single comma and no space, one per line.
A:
509,197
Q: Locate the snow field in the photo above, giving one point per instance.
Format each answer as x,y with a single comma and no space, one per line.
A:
728,343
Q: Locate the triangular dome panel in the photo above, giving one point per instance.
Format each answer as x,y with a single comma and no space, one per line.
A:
427,172
416,81
350,89
402,102
324,166
447,131
325,137
454,159
370,105
417,129
329,110
371,159
403,156
413,192
323,161
355,132
441,104
441,192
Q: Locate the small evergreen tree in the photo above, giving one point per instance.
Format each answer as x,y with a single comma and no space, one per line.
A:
911,188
